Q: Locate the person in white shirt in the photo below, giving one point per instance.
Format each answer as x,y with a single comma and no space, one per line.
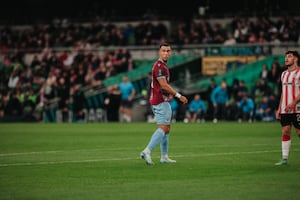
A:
288,111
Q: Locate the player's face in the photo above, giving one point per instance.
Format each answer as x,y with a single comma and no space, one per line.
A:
290,59
165,53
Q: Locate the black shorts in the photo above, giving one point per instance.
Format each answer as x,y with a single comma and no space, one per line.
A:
126,103
290,119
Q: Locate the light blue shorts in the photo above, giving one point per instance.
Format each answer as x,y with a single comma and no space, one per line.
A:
163,113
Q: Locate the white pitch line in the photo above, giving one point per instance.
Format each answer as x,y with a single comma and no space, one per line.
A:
111,149
61,151
120,159
28,153
63,162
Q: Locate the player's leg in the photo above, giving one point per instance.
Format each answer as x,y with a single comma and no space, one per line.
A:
128,111
286,142
215,113
155,139
164,144
285,138
163,114
121,111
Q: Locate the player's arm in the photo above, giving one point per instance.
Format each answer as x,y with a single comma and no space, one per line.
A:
279,108
167,87
133,92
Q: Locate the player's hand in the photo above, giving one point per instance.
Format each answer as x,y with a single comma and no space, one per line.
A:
278,114
183,99
290,107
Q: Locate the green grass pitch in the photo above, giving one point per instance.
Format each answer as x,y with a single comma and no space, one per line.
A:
227,160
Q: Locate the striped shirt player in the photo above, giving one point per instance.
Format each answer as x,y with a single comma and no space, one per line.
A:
289,107
290,90
159,101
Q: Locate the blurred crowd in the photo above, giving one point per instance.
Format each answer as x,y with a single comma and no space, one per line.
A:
66,33
224,101
26,87
232,101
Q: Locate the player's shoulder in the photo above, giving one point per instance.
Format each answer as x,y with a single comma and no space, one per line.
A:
159,63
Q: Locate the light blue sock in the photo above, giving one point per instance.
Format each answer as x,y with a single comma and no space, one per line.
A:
156,139
164,145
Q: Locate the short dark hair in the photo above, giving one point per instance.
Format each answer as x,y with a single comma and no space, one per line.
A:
165,44
295,53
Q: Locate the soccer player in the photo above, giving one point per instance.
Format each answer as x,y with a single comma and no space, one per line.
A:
289,107
159,101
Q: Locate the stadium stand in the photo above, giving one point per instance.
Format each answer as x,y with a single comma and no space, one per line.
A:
96,52
248,72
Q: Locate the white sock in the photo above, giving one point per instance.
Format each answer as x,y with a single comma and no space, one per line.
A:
165,156
285,145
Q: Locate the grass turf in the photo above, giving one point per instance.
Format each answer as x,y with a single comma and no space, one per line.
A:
227,160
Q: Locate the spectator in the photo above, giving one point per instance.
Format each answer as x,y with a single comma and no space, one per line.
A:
112,103
220,101
264,111
127,96
78,102
241,30
41,102
63,94
174,106
230,40
234,89
196,109
264,87
274,76
14,106
242,90
246,108
273,105
264,72
13,80
28,107
211,87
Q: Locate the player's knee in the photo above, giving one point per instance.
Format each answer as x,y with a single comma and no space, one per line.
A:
286,130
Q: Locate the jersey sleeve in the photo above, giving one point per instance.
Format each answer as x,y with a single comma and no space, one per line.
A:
159,71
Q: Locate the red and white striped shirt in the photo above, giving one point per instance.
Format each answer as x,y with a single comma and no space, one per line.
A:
290,90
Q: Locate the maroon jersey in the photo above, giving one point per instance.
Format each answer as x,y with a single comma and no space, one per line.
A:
158,95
